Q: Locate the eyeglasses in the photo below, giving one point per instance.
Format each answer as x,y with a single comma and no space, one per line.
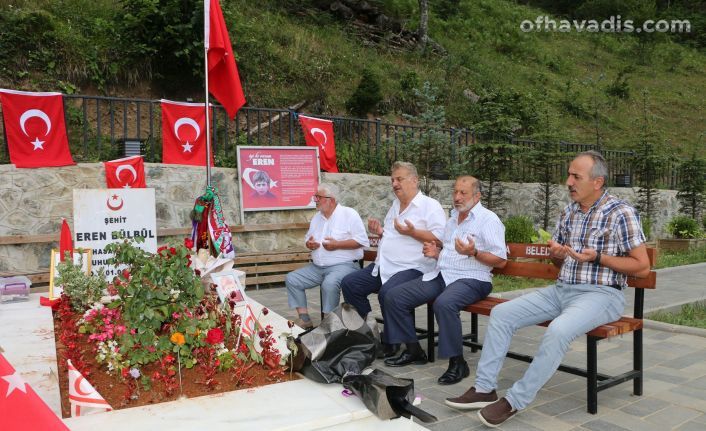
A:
319,197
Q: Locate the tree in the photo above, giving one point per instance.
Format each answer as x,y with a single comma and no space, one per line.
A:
423,30
366,96
692,188
544,159
427,147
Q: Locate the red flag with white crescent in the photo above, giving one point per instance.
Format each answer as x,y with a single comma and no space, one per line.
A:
125,173
20,407
223,77
247,325
319,133
84,398
35,129
184,133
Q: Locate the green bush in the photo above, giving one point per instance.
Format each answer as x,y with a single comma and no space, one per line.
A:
520,229
366,97
647,226
684,227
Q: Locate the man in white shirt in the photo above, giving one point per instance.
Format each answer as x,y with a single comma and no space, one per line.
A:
336,238
474,243
412,220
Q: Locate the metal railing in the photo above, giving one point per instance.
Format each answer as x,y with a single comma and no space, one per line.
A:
99,127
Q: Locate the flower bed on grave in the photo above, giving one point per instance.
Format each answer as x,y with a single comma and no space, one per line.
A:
154,334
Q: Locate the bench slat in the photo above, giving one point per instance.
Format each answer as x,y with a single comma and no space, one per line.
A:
271,257
251,271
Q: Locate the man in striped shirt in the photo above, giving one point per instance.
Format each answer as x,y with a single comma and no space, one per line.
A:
598,242
473,243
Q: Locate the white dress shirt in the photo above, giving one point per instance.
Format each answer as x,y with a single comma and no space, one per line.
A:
397,252
344,223
487,231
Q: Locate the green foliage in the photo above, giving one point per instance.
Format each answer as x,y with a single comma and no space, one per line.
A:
505,112
366,96
684,227
153,289
83,289
692,187
520,229
620,87
360,159
647,226
670,258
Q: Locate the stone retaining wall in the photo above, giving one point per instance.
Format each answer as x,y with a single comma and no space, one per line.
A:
33,201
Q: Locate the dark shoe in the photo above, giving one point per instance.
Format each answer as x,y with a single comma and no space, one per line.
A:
495,414
457,371
407,358
472,400
388,350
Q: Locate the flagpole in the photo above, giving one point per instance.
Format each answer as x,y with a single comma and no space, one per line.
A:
206,26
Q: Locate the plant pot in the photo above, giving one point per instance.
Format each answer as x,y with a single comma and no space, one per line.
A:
675,244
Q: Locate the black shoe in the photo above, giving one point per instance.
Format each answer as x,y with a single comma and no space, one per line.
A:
407,358
458,370
388,351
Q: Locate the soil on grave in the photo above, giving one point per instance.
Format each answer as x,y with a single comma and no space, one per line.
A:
114,390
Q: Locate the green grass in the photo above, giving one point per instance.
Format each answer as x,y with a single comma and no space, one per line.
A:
505,283
693,315
668,259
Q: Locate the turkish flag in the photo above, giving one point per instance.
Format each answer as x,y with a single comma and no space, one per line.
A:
184,133
125,173
66,242
84,398
319,133
223,77
20,407
35,129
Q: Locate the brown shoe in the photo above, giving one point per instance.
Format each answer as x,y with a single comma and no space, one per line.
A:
496,413
472,400
304,324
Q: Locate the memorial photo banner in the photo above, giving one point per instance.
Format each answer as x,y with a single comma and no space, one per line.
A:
277,178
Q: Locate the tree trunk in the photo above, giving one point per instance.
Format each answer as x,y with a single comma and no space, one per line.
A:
423,30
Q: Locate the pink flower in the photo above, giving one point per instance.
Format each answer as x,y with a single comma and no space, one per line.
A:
176,315
133,331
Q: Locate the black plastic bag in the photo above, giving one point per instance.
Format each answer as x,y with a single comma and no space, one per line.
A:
387,396
343,343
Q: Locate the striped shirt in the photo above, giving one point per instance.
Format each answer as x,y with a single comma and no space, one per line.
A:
610,226
487,231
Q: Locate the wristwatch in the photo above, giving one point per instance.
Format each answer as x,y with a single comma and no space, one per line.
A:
597,260
476,252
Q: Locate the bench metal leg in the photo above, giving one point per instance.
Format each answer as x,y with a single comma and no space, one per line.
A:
430,332
592,374
474,331
637,361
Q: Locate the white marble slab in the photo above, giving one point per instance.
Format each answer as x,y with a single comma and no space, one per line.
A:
27,338
27,341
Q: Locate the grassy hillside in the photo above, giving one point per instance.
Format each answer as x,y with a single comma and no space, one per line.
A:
573,86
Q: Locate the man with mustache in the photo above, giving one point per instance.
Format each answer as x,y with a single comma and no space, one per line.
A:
473,244
598,242
412,220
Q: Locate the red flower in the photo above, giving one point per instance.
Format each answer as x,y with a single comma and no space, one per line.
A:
160,249
262,334
290,323
172,250
265,311
188,260
214,336
188,243
197,272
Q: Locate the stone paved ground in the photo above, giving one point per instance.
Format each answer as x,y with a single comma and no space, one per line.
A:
675,371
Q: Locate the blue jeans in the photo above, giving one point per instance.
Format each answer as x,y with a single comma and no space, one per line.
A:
328,277
575,308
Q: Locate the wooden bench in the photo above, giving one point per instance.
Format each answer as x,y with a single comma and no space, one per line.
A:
531,260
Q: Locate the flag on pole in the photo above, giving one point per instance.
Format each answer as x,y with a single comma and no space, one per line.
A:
84,398
66,242
20,407
223,77
183,133
125,173
35,129
319,133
